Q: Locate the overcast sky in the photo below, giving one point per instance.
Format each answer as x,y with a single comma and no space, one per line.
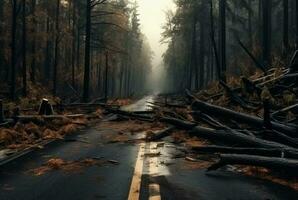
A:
152,17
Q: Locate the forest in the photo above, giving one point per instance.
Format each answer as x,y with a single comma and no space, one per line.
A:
219,38
148,99
72,48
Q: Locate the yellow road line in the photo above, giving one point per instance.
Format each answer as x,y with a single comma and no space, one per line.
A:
154,188
134,192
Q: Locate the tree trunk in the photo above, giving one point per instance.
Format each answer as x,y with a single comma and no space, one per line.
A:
273,163
24,48
56,61
2,58
296,46
202,46
266,7
194,60
47,56
241,117
234,137
13,50
106,77
87,52
73,60
250,31
214,47
286,27
222,37
251,151
34,24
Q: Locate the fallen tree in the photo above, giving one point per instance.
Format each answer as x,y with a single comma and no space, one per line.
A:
161,134
290,165
273,152
241,117
234,137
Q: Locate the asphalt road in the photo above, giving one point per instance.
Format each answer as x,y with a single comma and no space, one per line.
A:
161,177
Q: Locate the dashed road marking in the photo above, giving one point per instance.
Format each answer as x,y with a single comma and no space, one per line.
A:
134,192
135,187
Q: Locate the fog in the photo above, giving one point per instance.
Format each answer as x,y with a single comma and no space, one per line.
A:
152,18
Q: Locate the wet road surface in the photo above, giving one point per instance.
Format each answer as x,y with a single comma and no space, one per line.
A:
145,171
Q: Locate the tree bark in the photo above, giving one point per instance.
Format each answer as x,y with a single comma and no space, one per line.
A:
87,52
13,50
34,24
222,30
260,161
267,4
241,117
56,61
286,27
250,151
24,48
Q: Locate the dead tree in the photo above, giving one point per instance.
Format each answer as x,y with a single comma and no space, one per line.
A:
290,165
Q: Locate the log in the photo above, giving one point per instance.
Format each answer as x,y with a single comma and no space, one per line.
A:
290,165
282,138
178,123
283,153
131,114
161,134
241,117
226,135
235,137
292,108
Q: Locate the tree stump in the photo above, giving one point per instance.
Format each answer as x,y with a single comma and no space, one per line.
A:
45,108
1,112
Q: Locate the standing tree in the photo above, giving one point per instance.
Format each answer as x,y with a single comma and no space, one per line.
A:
285,27
24,47
13,50
222,38
87,51
57,32
266,7
34,26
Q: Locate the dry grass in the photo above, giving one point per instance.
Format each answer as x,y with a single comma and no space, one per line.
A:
67,166
22,136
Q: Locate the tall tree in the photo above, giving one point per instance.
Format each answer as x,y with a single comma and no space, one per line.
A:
34,26
13,50
286,26
296,20
87,51
24,47
194,59
202,42
1,39
222,38
56,61
266,7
